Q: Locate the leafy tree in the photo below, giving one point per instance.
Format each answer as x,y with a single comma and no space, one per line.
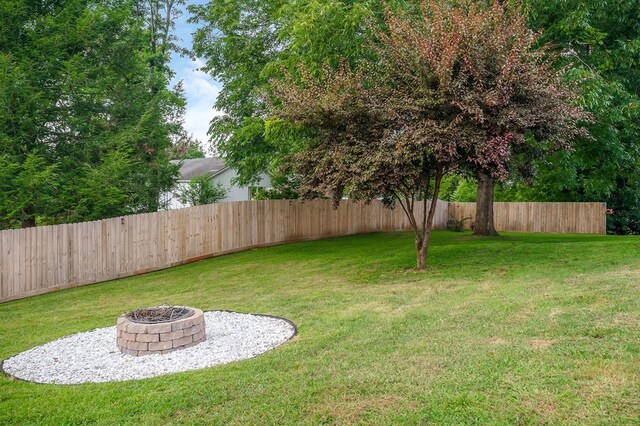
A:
466,191
200,190
462,87
99,188
82,91
186,148
522,109
238,38
365,142
283,187
246,43
597,42
600,40
26,189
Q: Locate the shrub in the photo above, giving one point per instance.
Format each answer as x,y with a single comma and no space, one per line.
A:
201,190
454,225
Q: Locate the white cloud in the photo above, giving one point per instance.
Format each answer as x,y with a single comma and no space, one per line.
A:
201,92
197,118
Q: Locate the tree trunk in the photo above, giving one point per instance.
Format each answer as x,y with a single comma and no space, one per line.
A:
423,230
484,206
28,222
28,217
422,245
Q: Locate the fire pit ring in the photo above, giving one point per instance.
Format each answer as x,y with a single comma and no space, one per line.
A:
159,330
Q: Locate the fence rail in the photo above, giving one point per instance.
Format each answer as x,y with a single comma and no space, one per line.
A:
49,258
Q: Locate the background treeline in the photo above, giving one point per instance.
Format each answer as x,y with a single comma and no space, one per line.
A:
87,119
247,43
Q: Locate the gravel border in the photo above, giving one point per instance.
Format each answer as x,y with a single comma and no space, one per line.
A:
93,356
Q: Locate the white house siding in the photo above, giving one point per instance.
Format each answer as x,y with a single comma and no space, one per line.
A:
236,193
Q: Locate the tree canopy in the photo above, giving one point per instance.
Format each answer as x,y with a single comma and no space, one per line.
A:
600,41
89,121
246,43
200,190
87,112
460,87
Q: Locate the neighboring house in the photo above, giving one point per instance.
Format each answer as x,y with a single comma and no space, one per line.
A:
220,174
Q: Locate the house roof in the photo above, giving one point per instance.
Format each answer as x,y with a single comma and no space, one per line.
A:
199,166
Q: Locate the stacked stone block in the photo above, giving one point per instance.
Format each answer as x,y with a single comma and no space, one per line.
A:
146,339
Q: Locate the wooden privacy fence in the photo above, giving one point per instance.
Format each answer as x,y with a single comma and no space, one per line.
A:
566,218
49,258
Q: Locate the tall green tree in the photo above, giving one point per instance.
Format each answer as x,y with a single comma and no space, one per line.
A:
460,87
600,40
246,43
84,96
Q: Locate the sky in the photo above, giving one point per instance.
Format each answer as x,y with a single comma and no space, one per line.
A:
200,89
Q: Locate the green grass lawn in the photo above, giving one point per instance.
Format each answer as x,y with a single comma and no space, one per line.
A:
519,329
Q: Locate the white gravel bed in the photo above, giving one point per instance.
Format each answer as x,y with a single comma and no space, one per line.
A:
93,357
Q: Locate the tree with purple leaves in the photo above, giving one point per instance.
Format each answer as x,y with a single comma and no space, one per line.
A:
462,88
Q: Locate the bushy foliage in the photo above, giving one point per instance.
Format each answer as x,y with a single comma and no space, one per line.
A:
200,190
600,40
85,103
283,187
455,225
462,87
245,43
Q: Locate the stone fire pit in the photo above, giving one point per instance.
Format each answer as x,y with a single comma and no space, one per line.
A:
160,330
233,336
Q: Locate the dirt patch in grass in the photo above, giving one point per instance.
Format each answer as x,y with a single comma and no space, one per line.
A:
541,344
415,367
631,277
498,341
624,273
541,404
524,314
627,319
603,382
555,313
380,308
353,409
